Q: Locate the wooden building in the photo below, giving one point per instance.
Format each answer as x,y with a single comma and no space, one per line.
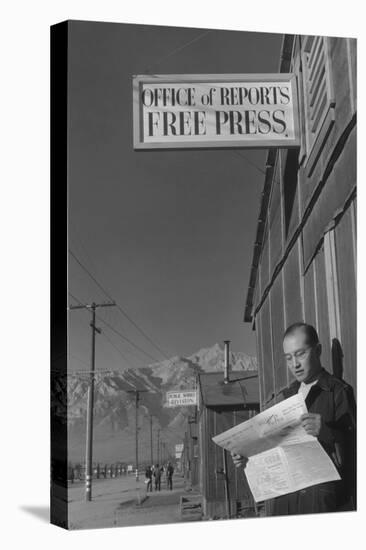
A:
224,489
190,453
304,260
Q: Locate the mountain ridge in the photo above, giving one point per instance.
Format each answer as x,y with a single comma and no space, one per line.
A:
114,406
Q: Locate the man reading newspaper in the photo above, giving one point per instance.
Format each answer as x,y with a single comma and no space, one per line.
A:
330,419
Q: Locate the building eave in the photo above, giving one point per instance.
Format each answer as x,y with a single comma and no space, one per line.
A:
284,65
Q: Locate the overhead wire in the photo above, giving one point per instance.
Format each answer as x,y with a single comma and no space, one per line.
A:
104,335
116,348
111,327
179,49
125,338
156,346
141,331
80,303
239,154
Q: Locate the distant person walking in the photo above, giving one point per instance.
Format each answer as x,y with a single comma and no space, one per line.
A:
148,475
169,475
157,475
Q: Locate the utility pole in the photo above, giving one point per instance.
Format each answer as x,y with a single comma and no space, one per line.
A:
227,362
90,405
137,399
151,440
158,447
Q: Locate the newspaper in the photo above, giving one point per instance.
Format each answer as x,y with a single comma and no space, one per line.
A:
282,457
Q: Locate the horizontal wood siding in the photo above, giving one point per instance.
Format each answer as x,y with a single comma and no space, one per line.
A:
343,98
343,94
319,97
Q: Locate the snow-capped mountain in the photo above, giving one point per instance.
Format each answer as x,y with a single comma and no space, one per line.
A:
114,405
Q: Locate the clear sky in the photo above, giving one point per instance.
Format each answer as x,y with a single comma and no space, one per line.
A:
168,234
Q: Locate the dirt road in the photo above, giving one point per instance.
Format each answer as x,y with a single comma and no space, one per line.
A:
123,502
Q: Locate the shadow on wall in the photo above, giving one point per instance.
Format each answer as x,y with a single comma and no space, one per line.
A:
337,358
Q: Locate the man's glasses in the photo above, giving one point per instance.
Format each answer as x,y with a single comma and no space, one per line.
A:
300,354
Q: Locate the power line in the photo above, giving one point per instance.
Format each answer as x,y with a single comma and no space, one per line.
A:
82,305
90,275
116,348
117,332
127,339
102,372
76,299
179,49
249,161
118,306
72,373
75,235
108,340
102,334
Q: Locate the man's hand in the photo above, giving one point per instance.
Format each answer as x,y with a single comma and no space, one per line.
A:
239,461
311,422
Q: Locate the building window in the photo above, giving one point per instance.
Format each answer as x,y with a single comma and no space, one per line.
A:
318,92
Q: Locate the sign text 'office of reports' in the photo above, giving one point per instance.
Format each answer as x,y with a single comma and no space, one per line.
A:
210,111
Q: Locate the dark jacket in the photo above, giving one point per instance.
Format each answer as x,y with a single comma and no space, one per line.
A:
158,472
333,399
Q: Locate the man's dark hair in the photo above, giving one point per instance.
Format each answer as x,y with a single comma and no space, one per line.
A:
309,330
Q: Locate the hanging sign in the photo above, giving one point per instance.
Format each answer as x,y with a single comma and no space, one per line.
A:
181,398
215,111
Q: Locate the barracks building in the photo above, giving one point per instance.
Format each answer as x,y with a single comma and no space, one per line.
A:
304,257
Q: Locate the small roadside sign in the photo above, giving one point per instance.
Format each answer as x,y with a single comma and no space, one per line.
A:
181,398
